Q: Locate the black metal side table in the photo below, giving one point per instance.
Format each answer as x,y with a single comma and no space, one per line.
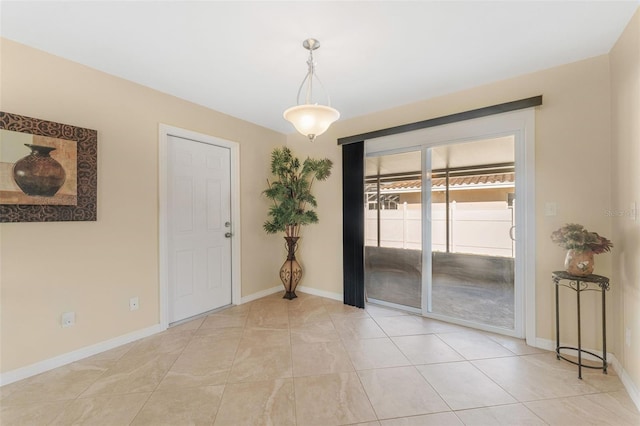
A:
579,284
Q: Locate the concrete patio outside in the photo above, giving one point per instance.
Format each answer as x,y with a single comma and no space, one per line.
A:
475,288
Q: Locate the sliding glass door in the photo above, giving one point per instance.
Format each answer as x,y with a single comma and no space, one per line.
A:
470,192
472,183
451,208
393,230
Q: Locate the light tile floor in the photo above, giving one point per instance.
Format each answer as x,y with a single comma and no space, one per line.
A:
315,361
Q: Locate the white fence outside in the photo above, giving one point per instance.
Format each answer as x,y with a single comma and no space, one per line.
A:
475,228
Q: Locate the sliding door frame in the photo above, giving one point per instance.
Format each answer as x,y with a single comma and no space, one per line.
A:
520,124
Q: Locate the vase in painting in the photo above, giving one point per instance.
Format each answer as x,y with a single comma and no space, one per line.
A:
38,173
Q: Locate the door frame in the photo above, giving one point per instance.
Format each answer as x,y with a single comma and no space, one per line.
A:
164,131
520,123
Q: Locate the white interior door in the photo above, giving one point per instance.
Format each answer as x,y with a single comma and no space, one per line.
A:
199,227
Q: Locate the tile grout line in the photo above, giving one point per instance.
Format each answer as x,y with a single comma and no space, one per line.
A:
224,389
193,334
375,413
464,359
492,380
293,378
535,400
412,364
118,359
235,354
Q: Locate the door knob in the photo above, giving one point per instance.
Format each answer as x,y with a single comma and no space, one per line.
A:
228,234
227,224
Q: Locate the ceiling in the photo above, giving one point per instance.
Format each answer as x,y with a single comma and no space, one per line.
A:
245,59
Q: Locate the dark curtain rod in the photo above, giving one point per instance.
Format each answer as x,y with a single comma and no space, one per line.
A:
446,119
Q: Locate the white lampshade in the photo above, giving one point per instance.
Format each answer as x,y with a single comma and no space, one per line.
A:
311,120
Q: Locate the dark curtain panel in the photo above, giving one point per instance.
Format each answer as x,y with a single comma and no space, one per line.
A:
353,222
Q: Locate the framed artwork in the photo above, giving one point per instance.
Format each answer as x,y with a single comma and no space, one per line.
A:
48,171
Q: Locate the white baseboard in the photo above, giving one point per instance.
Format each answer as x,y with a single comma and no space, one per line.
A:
321,293
550,345
629,385
302,289
69,357
260,294
632,388
545,344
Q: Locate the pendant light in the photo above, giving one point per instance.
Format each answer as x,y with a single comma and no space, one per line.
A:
311,119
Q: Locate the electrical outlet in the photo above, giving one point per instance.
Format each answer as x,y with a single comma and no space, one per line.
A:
627,336
68,319
550,209
134,303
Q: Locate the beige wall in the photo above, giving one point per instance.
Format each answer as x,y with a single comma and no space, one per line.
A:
625,112
572,168
93,268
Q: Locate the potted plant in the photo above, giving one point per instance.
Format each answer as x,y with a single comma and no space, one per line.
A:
581,245
292,199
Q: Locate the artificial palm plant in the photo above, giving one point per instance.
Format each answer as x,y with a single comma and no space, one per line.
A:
292,205
291,191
